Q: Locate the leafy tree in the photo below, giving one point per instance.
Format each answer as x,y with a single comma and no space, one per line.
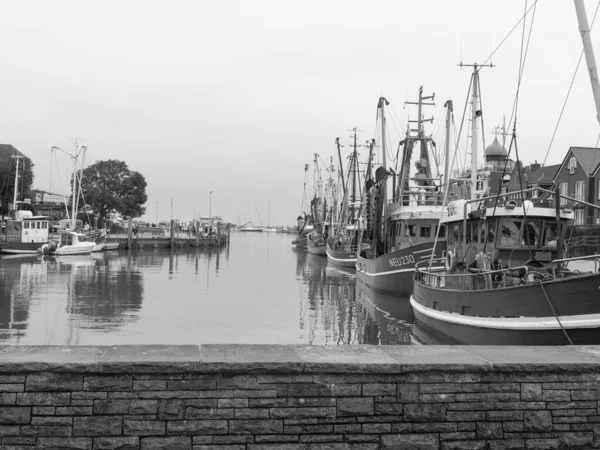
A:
7,182
109,186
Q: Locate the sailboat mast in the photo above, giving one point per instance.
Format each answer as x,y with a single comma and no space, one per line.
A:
337,143
17,157
449,110
476,113
74,194
588,49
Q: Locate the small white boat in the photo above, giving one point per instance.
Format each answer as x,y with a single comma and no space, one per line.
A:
75,243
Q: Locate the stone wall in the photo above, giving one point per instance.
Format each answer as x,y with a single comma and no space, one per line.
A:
299,397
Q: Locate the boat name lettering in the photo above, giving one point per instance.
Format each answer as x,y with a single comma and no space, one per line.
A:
402,261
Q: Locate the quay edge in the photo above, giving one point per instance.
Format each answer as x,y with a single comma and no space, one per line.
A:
351,397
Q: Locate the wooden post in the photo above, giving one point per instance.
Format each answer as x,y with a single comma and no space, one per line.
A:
129,231
172,233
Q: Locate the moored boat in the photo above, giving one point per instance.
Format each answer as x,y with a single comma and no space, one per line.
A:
505,279
401,232
25,233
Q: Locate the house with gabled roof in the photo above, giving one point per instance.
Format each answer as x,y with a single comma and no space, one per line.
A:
579,178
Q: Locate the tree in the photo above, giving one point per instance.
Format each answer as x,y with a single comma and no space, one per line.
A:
7,182
109,186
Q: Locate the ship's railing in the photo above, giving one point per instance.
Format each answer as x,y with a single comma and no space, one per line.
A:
474,279
558,264
422,197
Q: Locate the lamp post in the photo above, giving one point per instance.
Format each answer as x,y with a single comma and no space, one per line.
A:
210,208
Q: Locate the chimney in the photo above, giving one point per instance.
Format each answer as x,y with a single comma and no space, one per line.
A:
535,166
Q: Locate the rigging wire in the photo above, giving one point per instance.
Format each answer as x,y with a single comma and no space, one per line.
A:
509,33
568,94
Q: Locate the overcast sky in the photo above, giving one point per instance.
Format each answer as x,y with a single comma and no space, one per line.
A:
236,96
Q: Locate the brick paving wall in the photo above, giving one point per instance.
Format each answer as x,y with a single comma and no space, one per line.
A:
431,410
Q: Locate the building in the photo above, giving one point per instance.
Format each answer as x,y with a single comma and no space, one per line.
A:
578,177
498,164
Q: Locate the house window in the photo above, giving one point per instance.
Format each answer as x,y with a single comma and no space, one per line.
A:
572,165
579,217
579,188
564,190
534,193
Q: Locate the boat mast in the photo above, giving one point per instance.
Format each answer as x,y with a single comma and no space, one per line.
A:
337,143
383,102
74,194
17,157
449,110
588,49
476,113
354,168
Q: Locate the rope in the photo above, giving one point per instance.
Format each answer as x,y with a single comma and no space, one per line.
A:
555,315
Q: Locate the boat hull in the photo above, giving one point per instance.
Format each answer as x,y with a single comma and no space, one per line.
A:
517,315
76,249
300,243
20,247
341,258
316,248
393,272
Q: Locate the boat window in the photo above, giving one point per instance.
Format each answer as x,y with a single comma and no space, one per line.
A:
455,235
25,224
510,231
38,225
425,231
532,232
442,232
44,225
411,230
550,235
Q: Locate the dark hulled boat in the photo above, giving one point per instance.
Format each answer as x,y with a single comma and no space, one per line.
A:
342,245
504,281
401,232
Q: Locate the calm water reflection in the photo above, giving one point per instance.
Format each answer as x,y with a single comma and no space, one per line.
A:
257,290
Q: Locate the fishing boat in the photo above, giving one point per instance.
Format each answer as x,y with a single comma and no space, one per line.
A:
23,232
304,222
342,245
74,240
400,232
316,240
505,278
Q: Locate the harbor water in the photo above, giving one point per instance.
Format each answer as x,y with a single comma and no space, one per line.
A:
256,290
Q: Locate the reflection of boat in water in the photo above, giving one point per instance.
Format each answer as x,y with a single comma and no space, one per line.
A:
391,315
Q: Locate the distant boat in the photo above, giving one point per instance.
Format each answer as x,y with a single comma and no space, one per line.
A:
342,245
252,229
